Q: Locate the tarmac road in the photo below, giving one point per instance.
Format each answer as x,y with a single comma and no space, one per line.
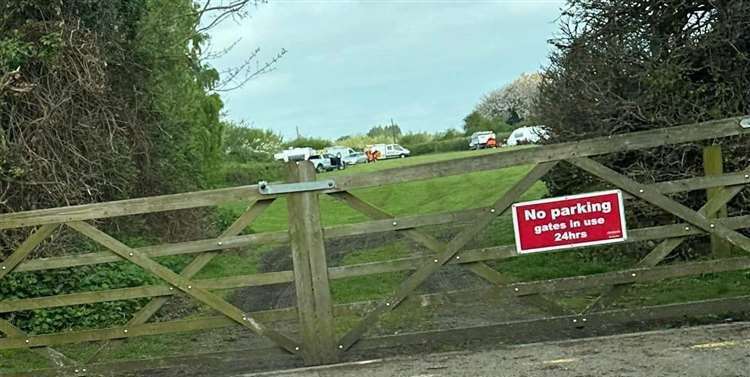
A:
716,351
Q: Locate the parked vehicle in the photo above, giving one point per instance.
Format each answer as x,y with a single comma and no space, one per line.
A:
355,158
343,151
295,154
483,139
527,135
322,162
390,151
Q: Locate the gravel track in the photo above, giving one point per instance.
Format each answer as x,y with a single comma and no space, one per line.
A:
708,351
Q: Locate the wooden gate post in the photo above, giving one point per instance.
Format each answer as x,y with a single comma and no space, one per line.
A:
713,164
314,304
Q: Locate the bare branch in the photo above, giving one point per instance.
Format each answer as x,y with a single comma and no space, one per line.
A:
239,76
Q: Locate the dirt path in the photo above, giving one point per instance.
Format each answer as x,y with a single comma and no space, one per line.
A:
720,350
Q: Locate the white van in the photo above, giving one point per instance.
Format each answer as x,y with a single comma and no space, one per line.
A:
343,151
295,154
480,139
390,151
527,135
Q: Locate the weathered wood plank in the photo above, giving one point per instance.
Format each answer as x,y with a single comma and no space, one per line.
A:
667,246
314,302
26,247
253,211
116,333
9,330
424,272
228,243
182,248
183,284
604,145
643,275
630,276
81,298
571,326
131,207
479,268
534,299
662,250
203,363
605,323
713,166
663,202
159,328
701,183
342,272
53,356
264,238
597,146
373,212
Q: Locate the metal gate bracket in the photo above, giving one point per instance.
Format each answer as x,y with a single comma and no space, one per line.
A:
266,188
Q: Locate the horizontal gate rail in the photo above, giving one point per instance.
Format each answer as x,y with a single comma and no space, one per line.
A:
592,147
234,242
520,289
536,330
605,323
397,265
554,152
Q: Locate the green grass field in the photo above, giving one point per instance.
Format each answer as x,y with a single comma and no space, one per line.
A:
410,198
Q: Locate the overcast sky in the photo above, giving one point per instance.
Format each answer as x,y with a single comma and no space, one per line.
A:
354,64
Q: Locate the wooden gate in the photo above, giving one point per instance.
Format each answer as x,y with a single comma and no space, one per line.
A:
316,340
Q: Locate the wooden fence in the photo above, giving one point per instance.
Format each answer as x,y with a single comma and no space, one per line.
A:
316,341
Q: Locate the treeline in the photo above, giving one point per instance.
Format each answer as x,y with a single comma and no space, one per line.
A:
100,103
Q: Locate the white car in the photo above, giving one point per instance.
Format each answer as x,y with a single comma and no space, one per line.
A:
527,135
324,162
355,158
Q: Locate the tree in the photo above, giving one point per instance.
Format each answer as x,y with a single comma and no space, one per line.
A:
512,103
448,134
476,122
413,138
245,144
392,131
311,142
623,66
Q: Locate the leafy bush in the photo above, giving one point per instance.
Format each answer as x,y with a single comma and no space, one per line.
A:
389,131
359,142
25,285
236,174
475,122
448,134
245,144
415,138
78,279
502,137
312,142
457,144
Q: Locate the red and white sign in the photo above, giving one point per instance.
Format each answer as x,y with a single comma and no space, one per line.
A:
570,221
